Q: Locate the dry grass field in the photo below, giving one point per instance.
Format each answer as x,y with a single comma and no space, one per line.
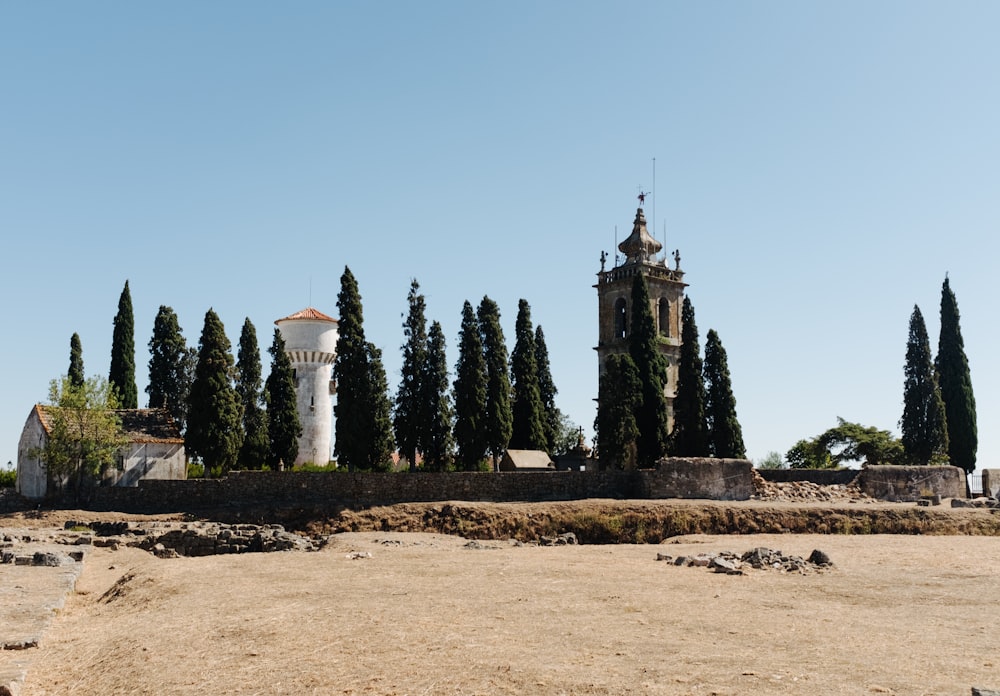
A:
425,614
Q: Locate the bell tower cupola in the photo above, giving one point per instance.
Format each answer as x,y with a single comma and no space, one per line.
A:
640,255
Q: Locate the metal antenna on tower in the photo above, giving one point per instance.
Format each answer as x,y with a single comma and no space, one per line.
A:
616,246
654,194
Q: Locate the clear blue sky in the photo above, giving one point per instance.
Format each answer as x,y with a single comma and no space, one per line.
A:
820,165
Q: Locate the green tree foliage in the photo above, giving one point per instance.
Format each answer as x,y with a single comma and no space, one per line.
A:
413,412
171,366
122,371
551,416
567,436
843,444
363,422
725,433
76,376
283,426
618,401
85,433
923,425
773,460
956,385
651,414
350,370
690,435
498,422
380,444
249,383
438,443
470,393
527,415
214,430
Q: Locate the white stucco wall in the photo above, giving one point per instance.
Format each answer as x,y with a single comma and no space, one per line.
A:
311,345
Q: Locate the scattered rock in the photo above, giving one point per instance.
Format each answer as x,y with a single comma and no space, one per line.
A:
566,539
356,555
976,691
760,558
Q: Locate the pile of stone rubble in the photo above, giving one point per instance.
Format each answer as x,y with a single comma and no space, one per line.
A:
806,492
760,558
986,503
169,540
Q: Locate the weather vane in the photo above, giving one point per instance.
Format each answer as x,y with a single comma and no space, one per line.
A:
642,197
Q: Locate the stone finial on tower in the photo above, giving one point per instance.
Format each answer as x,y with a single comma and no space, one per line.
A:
640,247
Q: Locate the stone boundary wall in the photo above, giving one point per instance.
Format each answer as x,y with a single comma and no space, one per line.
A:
719,479
821,477
912,482
991,483
714,479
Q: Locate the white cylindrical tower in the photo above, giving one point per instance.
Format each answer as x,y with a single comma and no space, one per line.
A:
311,343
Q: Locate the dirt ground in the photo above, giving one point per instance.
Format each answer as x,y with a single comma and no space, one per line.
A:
426,614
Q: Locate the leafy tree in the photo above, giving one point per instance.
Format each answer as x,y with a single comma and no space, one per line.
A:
380,444
437,438
76,377
363,424
956,385
923,425
847,442
651,414
85,433
567,436
551,417
254,451
618,401
122,371
498,421
690,435
527,416
412,412
773,460
171,366
725,433
214,411
283,426
470,393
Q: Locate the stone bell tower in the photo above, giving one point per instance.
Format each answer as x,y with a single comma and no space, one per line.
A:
311,344
666,294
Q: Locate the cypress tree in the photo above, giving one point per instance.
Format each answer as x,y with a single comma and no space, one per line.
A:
253,452
956,385
214,412
122,372
923,425
283,426
363,411
725,433
75,374
379,431
651,415
527,418
350,370
690,435
412,412
171,366
551,416
619,398
498,421
437,438
470,393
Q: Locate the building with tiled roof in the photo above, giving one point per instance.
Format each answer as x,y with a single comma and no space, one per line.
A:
155,450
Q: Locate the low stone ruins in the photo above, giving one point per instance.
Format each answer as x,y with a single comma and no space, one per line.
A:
760,558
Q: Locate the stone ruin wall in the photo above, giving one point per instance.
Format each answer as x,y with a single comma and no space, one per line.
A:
714,479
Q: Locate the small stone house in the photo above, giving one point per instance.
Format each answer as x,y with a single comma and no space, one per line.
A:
526,460
155,450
